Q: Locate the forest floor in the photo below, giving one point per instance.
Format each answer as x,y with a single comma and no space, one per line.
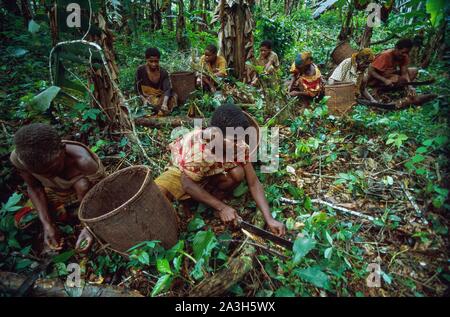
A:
388,165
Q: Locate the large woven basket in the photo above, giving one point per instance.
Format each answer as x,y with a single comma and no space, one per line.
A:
183,84
342,98
341,52
126,208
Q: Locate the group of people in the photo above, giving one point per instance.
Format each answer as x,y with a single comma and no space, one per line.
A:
387,70
59,172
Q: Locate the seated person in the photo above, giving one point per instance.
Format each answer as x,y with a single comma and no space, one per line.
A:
267,59
390,68
208,175
354,70
307,81
153,84
56,172
212,64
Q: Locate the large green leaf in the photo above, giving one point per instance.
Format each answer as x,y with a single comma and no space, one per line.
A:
42,101
436,9
33,27
162,284
12,202
195,224
315,276
302,246
204,242
163,266
63,257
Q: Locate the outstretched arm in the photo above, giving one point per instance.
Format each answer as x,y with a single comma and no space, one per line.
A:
258,195
39,199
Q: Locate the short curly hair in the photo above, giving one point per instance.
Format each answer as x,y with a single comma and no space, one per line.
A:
404,43
152,52
37,145
229,115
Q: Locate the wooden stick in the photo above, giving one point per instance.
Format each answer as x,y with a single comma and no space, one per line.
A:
56,288
413,203
326,203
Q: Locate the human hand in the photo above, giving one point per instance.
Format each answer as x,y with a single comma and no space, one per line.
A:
276,227
52,238
228,214
84,241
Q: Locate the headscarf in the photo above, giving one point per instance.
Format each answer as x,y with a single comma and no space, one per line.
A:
301,58
364,55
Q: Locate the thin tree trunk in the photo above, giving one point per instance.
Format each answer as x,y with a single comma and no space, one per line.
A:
169,19
366,37
106,91
52,15
157,16
346,29
26,11
182,40
236,35
435,45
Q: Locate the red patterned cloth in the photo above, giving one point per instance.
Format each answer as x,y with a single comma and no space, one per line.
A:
194,154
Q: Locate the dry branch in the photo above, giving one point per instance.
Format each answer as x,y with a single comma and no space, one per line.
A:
55,288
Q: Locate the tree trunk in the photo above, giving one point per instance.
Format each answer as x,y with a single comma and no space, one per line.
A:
106,92
182,40
435,45
157,16
169,13
236,34
288,6
52,15
366,37
203,23
191,9
346,29
26,11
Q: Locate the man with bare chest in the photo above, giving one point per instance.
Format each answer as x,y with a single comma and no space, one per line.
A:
153,84
56,172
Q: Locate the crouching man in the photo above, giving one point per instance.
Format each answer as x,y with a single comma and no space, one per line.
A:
207,173
57,172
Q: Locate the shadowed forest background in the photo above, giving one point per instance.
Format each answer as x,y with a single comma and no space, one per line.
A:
390,165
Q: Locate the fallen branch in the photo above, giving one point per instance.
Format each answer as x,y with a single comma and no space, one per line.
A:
157,122
56,288
239,264
419,212
326,203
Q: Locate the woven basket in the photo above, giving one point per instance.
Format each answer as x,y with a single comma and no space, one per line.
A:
342,98
183,84
126,208
341,52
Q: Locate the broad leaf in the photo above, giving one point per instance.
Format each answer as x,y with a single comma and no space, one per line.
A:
33,27
315,276
162,284
42,101
302,246
204,242
163,266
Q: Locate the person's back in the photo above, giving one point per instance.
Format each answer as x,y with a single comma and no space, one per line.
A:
56,172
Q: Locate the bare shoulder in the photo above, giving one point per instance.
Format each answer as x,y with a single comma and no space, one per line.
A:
82,158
